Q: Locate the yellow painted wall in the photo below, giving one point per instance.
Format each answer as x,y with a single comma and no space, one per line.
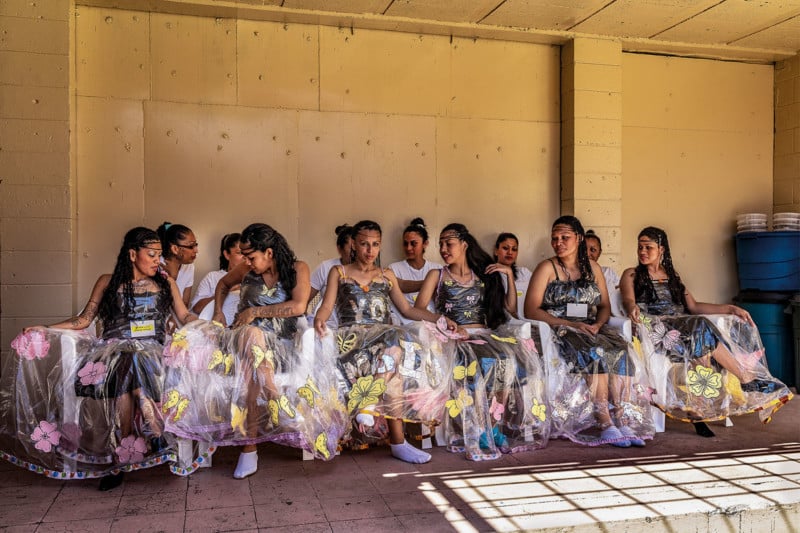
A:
697,151
787,136
216,123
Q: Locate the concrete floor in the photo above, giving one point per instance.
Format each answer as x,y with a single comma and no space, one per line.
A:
746,479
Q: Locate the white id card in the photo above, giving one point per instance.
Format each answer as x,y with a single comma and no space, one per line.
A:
577,310
143,328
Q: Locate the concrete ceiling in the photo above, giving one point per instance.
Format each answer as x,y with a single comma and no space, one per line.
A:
750,30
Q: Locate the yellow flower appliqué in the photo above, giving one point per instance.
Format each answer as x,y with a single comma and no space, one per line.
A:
703,381
366,391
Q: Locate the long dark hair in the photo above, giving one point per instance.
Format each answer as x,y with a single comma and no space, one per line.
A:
228,241
135,239
504,237
477,260
417,226
643,287
364,225
262,236
584,265
170,234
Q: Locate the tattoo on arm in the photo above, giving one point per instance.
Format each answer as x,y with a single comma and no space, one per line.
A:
274,311
87,315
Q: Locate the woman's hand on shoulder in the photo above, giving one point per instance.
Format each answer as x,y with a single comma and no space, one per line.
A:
500,268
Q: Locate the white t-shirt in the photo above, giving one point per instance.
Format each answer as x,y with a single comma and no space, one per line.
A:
406,272
612,279
521,283
185,276
319,281
206,289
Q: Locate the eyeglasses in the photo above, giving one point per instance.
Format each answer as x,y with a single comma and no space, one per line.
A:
191,246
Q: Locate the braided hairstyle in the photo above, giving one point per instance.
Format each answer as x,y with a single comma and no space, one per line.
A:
643,287
260,237
135,239
228,241
478,260
584,265
505,236
171,234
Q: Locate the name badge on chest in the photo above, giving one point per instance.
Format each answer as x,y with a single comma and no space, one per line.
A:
143,328
577,310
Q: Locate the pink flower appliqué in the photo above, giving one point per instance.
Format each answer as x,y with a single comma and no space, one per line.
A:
92,373
31,345
45,436
131,449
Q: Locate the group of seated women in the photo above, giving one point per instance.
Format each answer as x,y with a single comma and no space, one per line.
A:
463,356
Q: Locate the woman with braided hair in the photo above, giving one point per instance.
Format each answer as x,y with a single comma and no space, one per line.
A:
714,365
496,380
568,292
98,413
252,383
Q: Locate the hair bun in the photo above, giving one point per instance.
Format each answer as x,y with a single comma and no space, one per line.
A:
417,222
342,228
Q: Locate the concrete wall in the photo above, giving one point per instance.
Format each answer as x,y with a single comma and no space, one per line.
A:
36,190
787,136
697,138
217,123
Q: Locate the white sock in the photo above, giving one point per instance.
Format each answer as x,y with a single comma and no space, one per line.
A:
366,419
247,465
408,453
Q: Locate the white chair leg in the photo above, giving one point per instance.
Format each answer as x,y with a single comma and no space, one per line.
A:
307,455
728,422
185,453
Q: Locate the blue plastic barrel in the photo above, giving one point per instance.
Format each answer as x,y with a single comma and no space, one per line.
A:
769,312
769,260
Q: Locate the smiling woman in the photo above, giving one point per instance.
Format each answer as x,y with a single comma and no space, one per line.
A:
114,383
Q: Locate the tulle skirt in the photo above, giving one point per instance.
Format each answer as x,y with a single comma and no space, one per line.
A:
74,406
497,393
385,372
580,366
246,386
708,367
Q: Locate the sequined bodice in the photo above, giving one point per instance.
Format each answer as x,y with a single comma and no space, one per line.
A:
663,304
461,303
144,312
363,305
254,292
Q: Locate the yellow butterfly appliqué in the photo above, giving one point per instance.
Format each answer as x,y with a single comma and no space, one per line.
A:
508,340
461,372
346,344
177,402
238,418
539,410
179,341
260,355
458,404
219,358
366,391
272,405
306,394
321,445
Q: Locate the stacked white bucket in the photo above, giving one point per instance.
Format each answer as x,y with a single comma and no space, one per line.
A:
751,222
786,222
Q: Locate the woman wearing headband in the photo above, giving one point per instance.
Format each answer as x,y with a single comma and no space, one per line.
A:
713,366
496,382
568,292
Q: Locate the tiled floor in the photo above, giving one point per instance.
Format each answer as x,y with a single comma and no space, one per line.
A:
679,482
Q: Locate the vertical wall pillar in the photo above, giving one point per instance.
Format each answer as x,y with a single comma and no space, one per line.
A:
786,175
591,139
36,197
